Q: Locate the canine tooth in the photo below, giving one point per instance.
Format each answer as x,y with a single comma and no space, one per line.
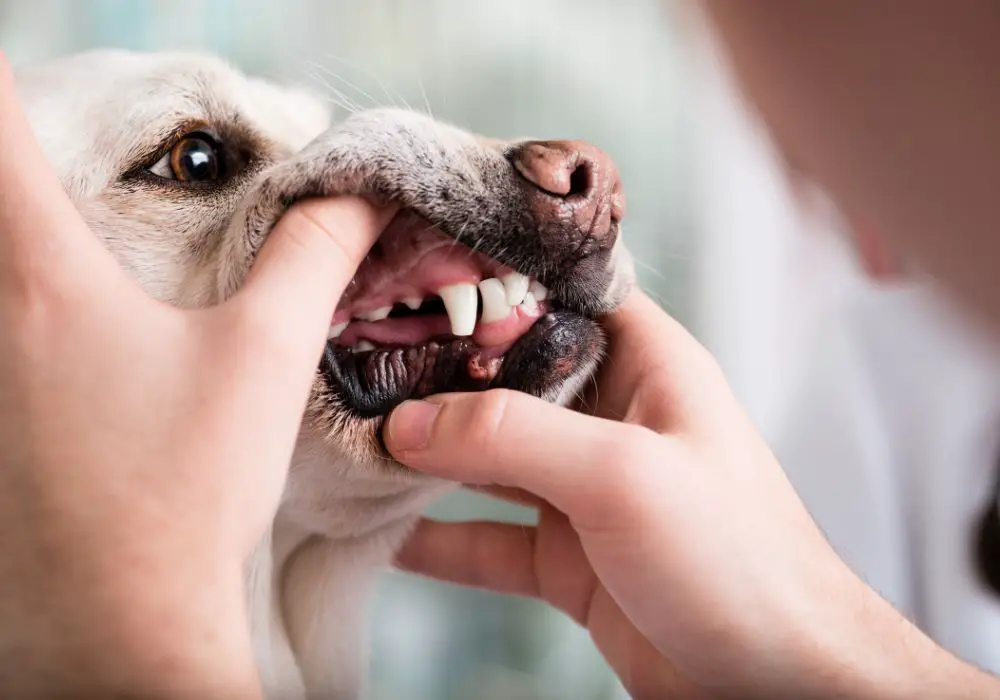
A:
461,302
516,285
363,346
495,306
377,314
529,305
538,291
335,331
413,303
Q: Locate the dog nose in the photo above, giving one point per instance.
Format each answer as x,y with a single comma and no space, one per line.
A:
574,194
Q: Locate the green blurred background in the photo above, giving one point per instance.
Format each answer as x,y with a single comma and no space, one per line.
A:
607,71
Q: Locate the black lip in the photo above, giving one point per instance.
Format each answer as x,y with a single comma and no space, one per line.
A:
372,384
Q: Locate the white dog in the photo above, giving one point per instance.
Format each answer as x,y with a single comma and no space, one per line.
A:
492,275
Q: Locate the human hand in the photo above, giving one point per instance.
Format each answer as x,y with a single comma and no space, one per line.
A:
144,447
667,528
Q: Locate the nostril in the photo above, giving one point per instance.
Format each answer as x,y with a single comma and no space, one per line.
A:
580,180
572,190
555,168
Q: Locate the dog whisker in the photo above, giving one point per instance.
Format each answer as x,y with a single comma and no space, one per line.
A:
373,76
335,96
461,232
646,266
353,86
423,93
394,101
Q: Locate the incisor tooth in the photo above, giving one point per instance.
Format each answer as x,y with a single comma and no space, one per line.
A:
363,346
335,331
413,303
495,306
377,314
461,302
538,291
529,304
516,285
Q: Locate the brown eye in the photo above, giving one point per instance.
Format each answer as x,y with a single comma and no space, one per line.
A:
195,158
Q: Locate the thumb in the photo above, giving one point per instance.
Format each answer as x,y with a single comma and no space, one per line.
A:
586,467
308,260
40,229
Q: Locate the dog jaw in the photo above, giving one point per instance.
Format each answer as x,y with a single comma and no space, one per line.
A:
102,117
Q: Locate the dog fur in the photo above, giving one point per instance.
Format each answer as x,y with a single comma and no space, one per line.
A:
103,117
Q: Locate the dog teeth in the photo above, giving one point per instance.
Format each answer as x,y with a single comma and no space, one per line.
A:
495,306
413,303
461,302
538,291
529,305
377,314
516,286
335,331
363,346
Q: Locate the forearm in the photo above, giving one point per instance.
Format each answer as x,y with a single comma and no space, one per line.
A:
932,672
869,651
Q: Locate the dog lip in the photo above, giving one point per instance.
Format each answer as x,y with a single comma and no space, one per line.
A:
371,384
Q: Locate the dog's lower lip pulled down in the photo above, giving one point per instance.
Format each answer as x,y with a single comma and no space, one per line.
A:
378,381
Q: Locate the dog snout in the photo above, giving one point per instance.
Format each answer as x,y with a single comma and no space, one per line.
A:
574,193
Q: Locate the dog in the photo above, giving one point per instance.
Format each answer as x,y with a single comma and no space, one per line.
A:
494,274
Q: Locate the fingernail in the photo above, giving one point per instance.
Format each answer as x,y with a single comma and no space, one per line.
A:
410,425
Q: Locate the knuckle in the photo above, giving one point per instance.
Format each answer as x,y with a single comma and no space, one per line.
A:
307,229
485,419
301,227
631,445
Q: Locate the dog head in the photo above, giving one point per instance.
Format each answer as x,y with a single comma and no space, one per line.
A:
493,274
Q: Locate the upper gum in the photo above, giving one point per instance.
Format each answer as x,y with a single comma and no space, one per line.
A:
356,314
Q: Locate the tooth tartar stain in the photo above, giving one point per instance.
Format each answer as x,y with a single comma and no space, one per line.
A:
480,371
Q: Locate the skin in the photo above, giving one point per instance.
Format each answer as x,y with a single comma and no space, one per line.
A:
666,526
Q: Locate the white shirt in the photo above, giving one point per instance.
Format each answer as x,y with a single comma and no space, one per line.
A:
892,441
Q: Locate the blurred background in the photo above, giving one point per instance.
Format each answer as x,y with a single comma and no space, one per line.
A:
721,239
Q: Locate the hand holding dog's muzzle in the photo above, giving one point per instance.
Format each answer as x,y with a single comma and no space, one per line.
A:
144,447
666,527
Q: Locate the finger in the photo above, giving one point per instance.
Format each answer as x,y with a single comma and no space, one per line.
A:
496,556
39,226
656,373
584,466
306,263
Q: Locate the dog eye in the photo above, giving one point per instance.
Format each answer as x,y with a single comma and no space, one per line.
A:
195,158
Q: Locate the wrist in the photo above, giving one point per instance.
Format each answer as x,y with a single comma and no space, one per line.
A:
187,641
875,653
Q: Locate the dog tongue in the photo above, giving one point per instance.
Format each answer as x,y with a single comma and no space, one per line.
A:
416,330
